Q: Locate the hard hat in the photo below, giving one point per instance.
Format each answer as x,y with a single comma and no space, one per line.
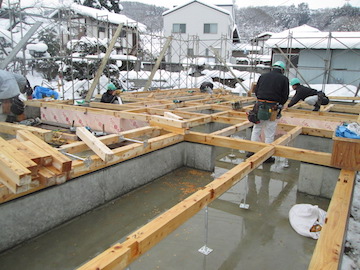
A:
294,81
111,86
280,64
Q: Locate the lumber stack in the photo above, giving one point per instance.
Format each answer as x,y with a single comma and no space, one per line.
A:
29,163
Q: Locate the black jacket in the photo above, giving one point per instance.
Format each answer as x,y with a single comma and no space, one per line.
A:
107,97
302,92
273,86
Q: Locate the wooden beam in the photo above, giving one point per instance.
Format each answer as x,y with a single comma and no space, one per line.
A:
329,248
288,137
104,152
11,129
233,129
60,161
173,116
126,152
142,240
310,156
19,156
104,60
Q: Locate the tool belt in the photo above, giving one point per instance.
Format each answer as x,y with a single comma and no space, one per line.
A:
267,110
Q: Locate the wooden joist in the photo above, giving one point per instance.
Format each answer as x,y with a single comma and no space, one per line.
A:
11,129
59,161
330,245
121,255
104,152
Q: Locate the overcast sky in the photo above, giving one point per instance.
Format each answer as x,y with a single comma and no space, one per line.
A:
313,4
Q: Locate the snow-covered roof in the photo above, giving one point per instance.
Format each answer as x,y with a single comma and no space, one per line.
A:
320,40
105,15
309,37
200,2
263,34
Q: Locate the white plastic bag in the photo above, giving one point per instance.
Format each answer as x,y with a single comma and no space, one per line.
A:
303,216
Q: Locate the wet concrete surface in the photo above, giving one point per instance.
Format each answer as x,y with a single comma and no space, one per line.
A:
259,237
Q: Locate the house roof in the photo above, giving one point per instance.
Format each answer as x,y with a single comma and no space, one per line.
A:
200,2
303,37
106,16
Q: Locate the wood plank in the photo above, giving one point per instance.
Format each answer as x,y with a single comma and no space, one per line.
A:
233,129
169,122
289,136
304,155
127,152
11,185
173,116
13,170
119,256
19,156
232,143
37,152
60,161
25,150
9,128
168,128
330,245
104,152
346,153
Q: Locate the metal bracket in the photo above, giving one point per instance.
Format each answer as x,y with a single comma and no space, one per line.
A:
122,138
205,250
87,161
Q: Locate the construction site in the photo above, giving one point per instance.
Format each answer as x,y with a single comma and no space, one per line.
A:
162,181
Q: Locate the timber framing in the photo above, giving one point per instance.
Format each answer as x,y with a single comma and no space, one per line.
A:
170,116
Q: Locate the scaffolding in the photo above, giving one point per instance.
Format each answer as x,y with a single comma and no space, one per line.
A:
70,68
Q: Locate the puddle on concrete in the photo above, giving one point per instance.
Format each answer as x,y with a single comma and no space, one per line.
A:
256,238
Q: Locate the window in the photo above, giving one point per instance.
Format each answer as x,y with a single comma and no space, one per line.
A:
190,52
210,28
179,28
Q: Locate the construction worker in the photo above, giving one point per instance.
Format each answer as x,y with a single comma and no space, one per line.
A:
206,87
272,91
109,96
12,88
310,96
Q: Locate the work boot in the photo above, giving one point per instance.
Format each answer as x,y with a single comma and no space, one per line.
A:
316,108
270,160
249,154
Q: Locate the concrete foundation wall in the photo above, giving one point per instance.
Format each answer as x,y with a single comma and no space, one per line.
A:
31,215
317,180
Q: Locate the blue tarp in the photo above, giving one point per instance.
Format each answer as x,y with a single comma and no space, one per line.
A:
343,131
42,92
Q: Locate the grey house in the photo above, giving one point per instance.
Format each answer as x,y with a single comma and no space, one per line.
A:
318,57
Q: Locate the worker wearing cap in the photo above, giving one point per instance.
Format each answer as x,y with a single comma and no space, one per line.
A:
272,91
109,96
310,96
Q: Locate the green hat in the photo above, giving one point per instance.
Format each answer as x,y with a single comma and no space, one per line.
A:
294,81
280,64
111,86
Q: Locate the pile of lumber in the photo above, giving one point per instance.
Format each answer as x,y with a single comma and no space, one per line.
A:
29,163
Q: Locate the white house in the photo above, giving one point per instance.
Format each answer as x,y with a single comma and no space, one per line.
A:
195,27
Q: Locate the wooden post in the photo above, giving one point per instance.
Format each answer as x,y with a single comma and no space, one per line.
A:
103,63
157,64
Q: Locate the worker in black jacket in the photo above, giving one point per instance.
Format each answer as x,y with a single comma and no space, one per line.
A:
272,91
311,96
109,96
